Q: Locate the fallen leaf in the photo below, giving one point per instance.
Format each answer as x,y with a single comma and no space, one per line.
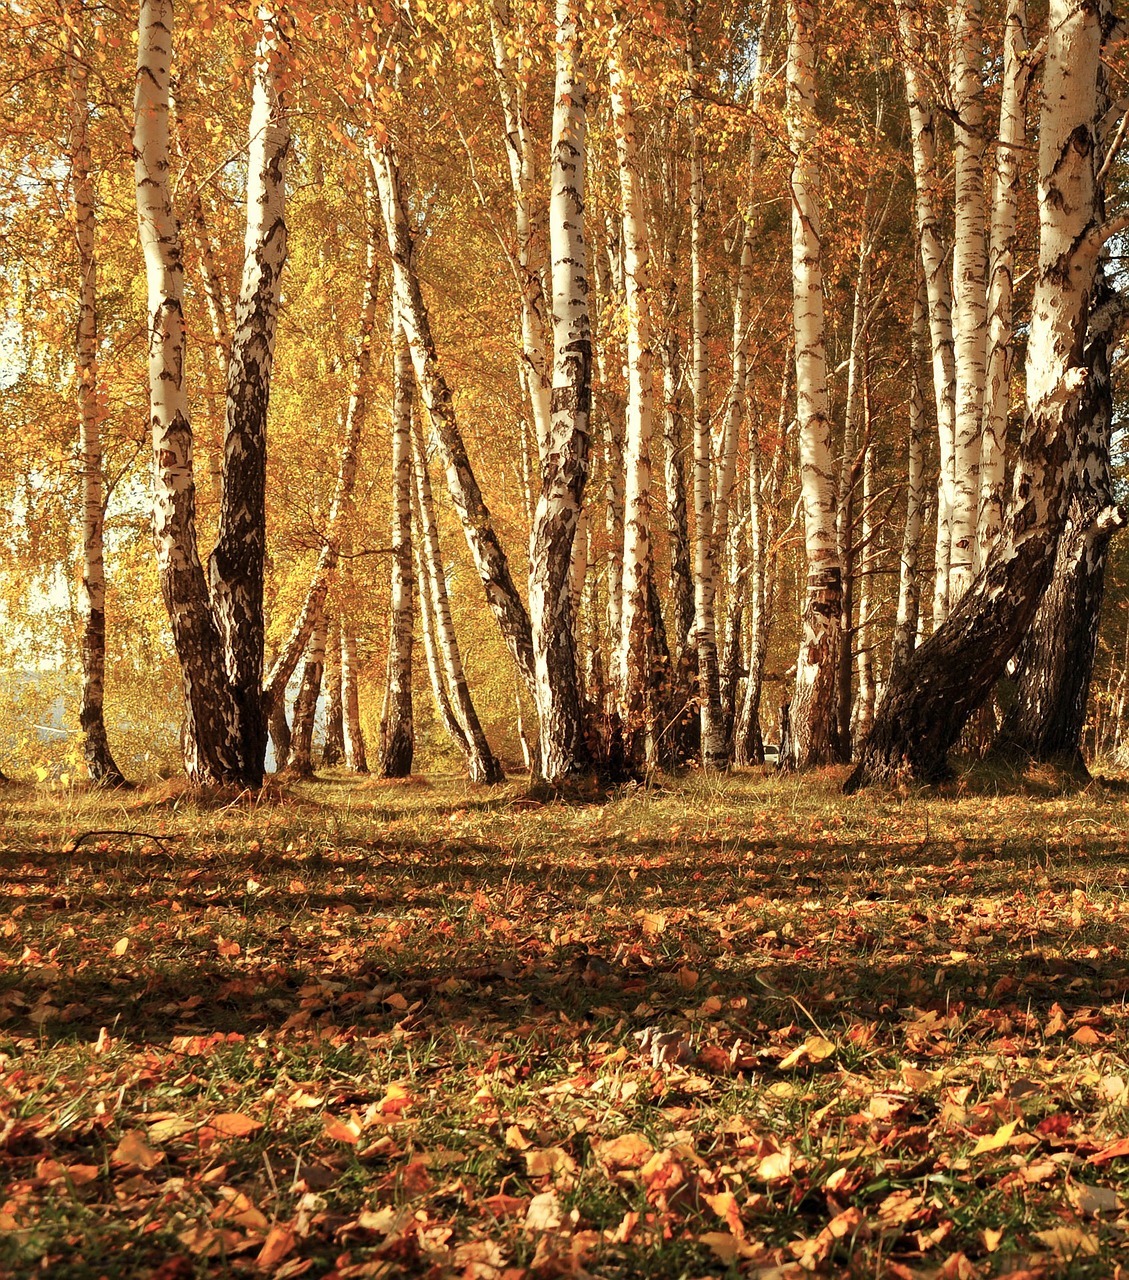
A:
1068,1242
1092,1200
341,1130
134,1151
544,1212
775,1167
630,1151
279,1242
1112,1152
548,1160
994,1141
121,946
233,1124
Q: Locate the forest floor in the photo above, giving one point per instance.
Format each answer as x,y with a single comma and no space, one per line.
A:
732,1027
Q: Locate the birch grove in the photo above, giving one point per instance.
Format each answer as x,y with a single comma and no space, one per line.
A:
686,297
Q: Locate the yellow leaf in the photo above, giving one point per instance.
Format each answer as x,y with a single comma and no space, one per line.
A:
817,1048
994,1141
121,946
546,1160
1068,1242
991,1239
775,1167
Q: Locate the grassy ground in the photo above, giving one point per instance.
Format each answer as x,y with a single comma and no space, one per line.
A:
740,1027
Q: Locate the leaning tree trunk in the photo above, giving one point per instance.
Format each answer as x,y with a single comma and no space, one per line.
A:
482,764
92,589
218,638
953,672
564,750
812,713
462,484
300,763
397,732
1056,659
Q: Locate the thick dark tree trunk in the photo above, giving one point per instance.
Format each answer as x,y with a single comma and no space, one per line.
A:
279,728
1056,660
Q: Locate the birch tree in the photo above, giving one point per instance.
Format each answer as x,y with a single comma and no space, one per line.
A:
217,622
92,584
482,764
970,269
934,254
397,732
953,672
713,743
563,747
1005,207
634,676
812,713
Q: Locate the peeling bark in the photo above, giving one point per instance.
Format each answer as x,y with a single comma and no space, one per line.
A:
564,750
812,712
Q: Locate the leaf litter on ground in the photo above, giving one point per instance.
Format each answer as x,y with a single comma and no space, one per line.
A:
736,1027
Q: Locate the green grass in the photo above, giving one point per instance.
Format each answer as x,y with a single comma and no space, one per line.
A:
421,1003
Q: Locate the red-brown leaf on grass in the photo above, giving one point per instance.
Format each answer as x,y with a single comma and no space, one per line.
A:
1113,1152
504,1206
233,1124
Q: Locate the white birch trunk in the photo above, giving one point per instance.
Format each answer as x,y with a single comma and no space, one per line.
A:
92,584
356,758
563,748
1005,208
927,185
300,763
909,587
482,764
212,754
813,708
510,76
397,731
970,279
713,744
632,665
864,657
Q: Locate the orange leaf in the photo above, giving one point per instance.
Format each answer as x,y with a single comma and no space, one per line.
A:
232,1124
279,1242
